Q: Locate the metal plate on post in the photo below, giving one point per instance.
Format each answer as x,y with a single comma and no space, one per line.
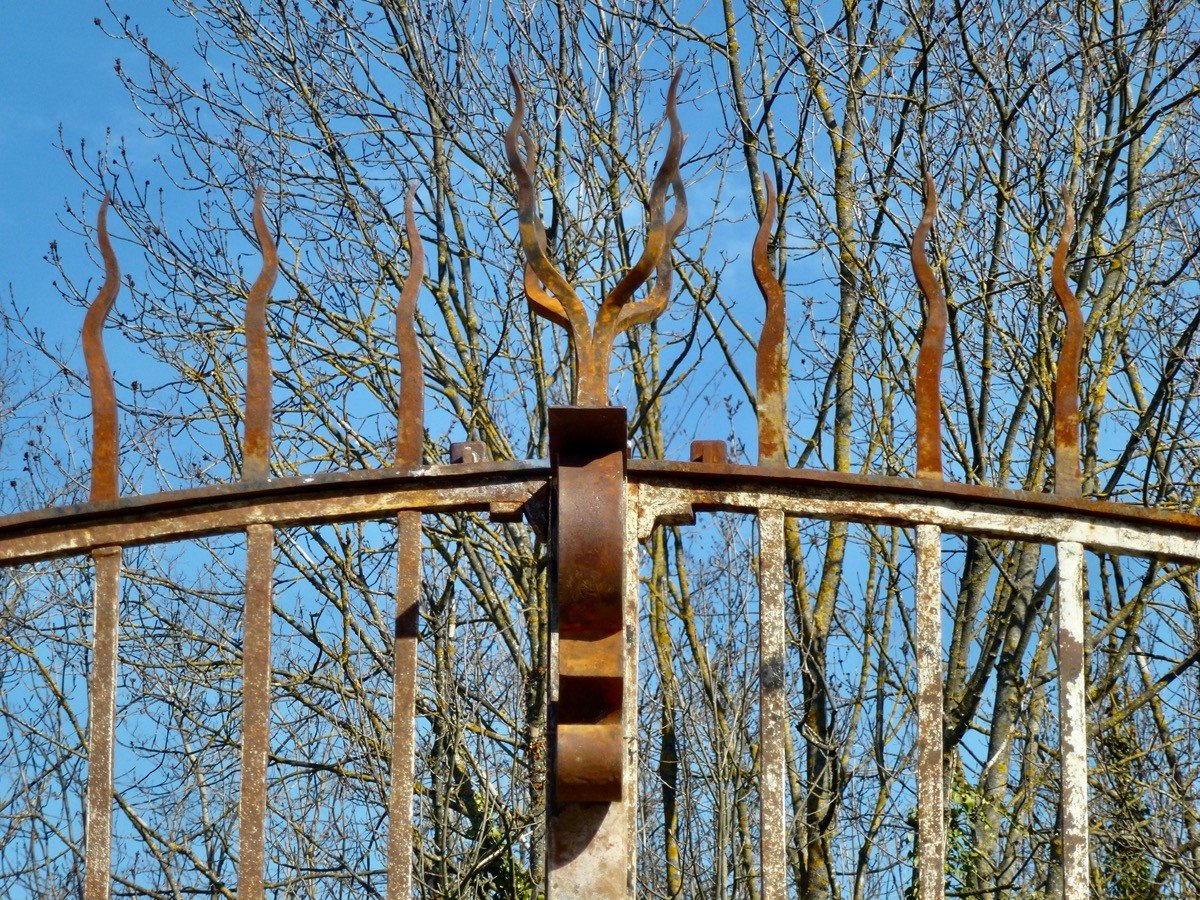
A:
587,456
591,843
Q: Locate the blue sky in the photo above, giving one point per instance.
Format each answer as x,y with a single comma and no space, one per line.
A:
56,67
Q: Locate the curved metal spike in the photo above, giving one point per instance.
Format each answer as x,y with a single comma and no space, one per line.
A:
1067,479
658,236
933,346
565,306
648,310
593,383
256,444
769,362
100,380
410,424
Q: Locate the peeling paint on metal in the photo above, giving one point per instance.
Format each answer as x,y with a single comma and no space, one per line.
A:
772,704
1072,694
930,792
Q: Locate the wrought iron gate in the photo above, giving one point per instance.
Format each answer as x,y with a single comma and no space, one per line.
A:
595,504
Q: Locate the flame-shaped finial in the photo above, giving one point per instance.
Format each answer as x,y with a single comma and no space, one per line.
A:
1067,479
547,290
100,380
933,346
256,446
770,362
410,425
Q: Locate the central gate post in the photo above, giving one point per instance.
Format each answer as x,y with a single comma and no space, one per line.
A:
591,808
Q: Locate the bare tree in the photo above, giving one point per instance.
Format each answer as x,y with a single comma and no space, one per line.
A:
333,106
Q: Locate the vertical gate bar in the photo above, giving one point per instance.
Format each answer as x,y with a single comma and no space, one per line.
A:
256,710
101,723
404,698
1072,701
931,822
772,704
629,703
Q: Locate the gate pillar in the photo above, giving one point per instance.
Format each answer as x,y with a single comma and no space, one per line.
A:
592,802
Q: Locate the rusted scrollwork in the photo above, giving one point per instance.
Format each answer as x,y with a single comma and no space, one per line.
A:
549,292
588,457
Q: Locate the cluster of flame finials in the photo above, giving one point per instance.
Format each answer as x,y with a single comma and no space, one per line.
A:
552,296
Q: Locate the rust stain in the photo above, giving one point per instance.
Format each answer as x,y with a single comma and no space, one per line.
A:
548,291
409,442
260,567
102,706
708,451
256,446
933,347
410,429
404,700
256,710
1067,478
106,591
769,361
100,380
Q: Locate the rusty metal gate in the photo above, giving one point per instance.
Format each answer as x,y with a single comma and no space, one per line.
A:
594,504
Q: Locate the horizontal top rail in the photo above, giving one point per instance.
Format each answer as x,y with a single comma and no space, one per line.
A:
302,500
668,491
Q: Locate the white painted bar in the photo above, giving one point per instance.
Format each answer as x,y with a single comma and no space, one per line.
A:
1072,698
931,822
772,704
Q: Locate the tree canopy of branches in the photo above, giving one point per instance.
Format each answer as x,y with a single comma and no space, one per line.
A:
332,106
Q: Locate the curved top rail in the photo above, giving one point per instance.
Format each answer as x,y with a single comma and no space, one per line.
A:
668,491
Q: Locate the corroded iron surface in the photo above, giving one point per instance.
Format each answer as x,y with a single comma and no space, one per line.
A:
1072,701
772,703
260,568
106,591
770,361
257,440
930,797
503,486
100,380
591,504
1066,379
102,710
410,435
410,426
933,346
